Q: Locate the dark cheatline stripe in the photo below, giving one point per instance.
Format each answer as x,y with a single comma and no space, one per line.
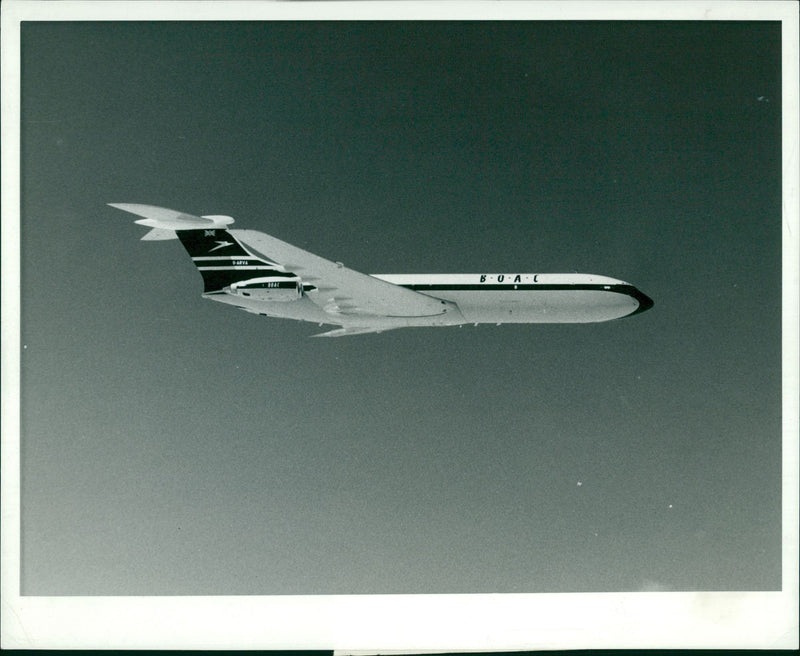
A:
645,302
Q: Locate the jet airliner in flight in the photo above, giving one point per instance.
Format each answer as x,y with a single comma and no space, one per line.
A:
264,275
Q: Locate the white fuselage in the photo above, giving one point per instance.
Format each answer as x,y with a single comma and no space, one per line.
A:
527,297
478,298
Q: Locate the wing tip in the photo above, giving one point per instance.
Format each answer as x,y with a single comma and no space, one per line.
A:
336,332
341,332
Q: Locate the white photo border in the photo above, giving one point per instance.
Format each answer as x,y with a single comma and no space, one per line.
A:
381,623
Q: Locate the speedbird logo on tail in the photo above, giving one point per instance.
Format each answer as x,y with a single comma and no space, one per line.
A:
222,244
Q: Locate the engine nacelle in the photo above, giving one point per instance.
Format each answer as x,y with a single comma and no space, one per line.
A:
273,288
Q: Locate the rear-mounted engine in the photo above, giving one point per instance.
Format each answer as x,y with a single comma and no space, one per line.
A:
273,288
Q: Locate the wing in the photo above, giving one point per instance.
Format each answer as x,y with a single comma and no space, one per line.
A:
339,290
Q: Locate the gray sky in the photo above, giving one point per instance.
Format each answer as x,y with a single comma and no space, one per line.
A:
175,446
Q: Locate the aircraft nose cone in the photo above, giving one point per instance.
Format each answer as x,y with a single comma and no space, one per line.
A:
645,302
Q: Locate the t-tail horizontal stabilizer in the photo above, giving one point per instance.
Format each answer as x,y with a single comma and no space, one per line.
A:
164,222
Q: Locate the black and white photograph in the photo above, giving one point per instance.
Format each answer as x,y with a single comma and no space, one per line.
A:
395,315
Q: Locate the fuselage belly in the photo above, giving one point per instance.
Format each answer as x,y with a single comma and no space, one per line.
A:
541,307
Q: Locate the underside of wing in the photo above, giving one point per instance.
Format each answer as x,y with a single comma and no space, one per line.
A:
342,291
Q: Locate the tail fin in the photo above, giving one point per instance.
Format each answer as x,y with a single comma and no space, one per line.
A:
222,260
218,255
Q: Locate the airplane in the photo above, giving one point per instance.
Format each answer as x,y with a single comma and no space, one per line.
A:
264,275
